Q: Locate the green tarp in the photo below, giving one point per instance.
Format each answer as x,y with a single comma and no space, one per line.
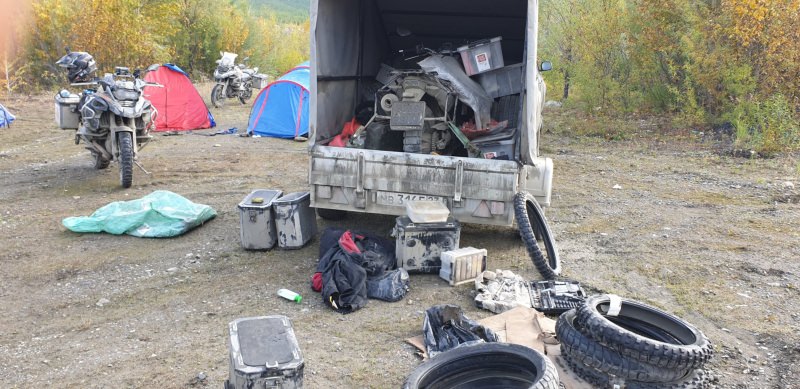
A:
161,214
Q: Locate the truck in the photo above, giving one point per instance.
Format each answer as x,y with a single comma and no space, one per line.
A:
358,48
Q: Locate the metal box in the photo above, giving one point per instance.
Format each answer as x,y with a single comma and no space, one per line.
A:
427,211
67,116
501,149
504,81
257,224
407,116
462,265
260,81
482,56
264,353
419,246
295,220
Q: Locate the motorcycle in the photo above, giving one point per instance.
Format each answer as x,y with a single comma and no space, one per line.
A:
112,116
233,81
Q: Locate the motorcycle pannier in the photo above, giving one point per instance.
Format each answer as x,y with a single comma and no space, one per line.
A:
67,116
257,221
264,354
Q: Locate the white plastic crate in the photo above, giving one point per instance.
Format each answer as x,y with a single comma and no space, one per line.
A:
482,56
427,211
462,265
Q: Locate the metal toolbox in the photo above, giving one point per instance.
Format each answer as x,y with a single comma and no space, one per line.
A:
462,265
255,217
420,245
67,116
295,220
264,354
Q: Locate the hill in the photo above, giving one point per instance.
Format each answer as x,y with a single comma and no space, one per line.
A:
286,10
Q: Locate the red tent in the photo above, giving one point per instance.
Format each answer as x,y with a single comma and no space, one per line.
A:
179,105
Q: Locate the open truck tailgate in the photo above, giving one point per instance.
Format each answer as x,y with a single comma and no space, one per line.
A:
475,190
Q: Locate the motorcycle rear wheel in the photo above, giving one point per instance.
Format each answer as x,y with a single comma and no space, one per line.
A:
125,159
245,95
218,96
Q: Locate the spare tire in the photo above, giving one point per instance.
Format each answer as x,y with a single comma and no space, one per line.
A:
662,339
694,379
530,219
486,365
583,349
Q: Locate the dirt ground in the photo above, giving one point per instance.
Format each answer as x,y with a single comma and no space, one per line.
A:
712,238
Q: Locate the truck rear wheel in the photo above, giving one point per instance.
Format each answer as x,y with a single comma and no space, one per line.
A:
530,218
331,214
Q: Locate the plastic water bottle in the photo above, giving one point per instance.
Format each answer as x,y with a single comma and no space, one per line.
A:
289,295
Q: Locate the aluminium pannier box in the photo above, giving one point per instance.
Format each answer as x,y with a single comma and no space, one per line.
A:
295,220
264,353
67,116
419,246
256,220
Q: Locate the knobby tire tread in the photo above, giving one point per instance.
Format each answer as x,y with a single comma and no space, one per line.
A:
549,267
125,159
695,379
583,349
641,348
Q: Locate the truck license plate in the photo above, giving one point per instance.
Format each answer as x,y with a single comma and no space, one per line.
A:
400,199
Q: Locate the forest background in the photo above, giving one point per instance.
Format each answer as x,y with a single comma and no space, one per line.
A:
726,65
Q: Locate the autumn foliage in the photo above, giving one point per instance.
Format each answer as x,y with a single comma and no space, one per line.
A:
710,62
139,33
720,63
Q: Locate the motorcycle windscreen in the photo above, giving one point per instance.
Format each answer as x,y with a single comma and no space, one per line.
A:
280,111
179,105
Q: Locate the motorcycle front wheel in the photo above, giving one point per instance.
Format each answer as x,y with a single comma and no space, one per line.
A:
218,96
125,159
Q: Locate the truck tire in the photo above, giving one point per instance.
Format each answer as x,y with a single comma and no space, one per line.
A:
581,348
486,365
218,96
331,214
688,348
528,213
125,144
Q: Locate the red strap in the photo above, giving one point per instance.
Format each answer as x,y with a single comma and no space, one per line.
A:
347,244
299,115
316,282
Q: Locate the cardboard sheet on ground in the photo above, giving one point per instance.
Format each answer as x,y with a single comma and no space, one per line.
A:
530,328
161,214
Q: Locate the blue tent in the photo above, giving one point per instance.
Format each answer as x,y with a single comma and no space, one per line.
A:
281,108
6,118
